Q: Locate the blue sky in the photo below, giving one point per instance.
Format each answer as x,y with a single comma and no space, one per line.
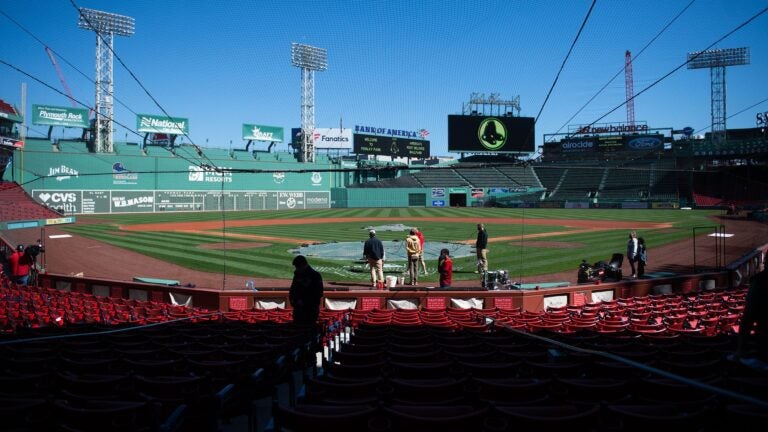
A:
393,64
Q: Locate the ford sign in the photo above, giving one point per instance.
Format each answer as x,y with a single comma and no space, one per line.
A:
644,143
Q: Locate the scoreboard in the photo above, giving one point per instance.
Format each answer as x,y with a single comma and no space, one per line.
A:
390,146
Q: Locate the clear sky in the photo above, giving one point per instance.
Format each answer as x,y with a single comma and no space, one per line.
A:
393,64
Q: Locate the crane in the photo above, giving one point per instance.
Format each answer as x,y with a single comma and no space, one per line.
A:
61,77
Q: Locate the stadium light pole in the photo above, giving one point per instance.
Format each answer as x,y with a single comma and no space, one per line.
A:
106,25
309,59
716,61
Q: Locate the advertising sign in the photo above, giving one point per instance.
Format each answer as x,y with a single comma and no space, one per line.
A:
472,133
161,124
332,138
390,146
60,116
262,133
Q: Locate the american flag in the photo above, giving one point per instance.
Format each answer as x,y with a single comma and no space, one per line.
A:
423,133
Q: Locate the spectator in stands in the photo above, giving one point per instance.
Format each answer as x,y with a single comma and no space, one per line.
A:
420,235
632,252
445,268
752,342
20,264
373,251
642,257
413,250
305,292
481,248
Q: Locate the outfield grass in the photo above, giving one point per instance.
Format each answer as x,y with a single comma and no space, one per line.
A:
520,255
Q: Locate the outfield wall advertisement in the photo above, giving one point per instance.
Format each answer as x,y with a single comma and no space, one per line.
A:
59,116
154,201
148,123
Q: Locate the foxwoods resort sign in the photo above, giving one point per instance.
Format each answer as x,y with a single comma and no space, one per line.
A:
162,124
262,133
60,116
420,134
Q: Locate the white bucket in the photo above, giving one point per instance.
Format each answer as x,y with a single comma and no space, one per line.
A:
391,281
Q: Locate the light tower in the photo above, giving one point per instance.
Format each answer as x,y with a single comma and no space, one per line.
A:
629,85
309,59
106,25
716,61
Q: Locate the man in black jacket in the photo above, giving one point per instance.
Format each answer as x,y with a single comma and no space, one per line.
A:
373,250
481,247
306,292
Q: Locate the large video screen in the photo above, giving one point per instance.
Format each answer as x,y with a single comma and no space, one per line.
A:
471,133
390,146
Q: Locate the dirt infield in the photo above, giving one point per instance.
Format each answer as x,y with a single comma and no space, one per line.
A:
77,254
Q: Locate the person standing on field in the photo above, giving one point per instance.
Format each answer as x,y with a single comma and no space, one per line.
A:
413,250
481,248
420,235
373,251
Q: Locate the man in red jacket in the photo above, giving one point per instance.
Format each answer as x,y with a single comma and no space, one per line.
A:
20,264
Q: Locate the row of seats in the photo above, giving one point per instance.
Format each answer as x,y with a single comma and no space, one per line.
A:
179,375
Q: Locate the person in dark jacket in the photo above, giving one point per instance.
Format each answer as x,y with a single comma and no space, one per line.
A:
481,247
373,251
306,292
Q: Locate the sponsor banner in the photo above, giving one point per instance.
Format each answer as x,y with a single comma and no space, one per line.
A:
457,190
316,178
290,200
438,203
332,138
62,172
161,124
665,205
761,119
120,201
132,201
375,130
634,205
316,200
60,116
60,221
644,142
576,204
390,146
608,128
477,192
123,176
438,192
10,142
262,133
208,175
498,190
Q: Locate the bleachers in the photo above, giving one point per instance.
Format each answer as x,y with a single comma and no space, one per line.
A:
625,183
440,178
578,183
663,179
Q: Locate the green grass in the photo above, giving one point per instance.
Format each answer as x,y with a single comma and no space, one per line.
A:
273,261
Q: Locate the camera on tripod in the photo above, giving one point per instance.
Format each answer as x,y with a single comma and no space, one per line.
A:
34,250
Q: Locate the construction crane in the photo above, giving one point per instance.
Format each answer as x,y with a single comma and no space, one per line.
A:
61,77
630,87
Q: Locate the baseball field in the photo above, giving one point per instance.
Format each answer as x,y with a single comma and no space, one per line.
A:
526,242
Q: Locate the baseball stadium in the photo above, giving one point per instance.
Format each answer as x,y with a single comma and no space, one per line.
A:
158,291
